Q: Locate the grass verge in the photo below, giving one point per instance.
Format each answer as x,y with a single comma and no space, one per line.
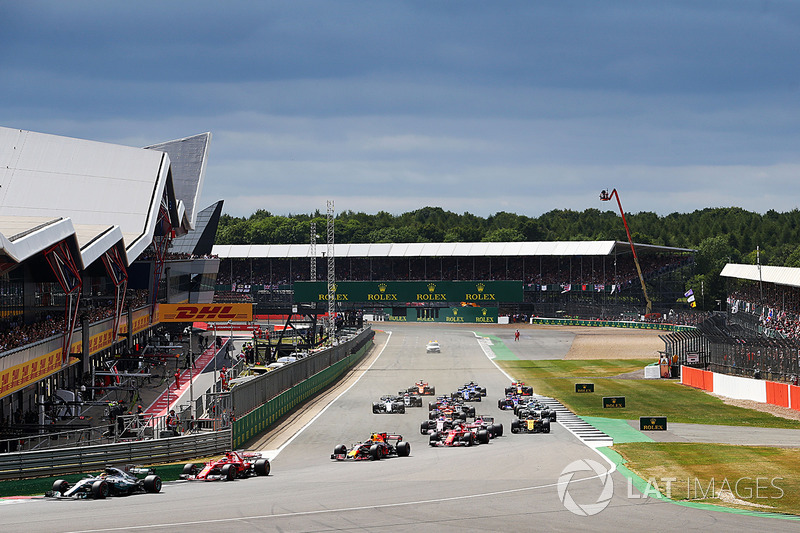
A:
754,478
651,397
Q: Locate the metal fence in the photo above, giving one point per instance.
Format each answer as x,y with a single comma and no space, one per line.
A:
258,391
21,465
735,349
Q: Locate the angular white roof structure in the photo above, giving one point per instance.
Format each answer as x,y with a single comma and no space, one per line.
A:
435,249
99,195
769,274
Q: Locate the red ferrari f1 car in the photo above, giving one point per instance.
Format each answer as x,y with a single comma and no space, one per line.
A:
228,467
378,446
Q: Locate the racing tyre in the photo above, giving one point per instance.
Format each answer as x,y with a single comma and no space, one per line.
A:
469,439
99,490
262,467
497,429
483,391
375,452
545,426
402,409
515,426
483,436
340,449
423,429
61,486
509,389
432,391
374,409
228,472
403,449
189,469
433,439
152,483
476,397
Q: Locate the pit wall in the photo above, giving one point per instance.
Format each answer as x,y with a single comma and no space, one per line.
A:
770,392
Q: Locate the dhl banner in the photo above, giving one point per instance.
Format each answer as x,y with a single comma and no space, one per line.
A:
206,312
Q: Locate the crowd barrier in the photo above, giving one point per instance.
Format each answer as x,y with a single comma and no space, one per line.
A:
610,323
741,388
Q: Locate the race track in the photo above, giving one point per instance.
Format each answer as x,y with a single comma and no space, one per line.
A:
507,485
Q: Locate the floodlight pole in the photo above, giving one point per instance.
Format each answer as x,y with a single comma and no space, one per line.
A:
605,196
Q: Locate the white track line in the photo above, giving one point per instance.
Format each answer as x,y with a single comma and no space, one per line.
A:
271,455
342,509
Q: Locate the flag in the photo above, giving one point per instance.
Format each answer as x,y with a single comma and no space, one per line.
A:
690,299
688,293
583,287
544,287
599,287
613,288
693,304
567,287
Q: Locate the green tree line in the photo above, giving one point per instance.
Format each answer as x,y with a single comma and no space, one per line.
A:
720,235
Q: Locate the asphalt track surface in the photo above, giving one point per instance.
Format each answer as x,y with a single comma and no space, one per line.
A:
510,484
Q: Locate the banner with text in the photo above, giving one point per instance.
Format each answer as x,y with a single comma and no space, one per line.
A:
205,312
488,293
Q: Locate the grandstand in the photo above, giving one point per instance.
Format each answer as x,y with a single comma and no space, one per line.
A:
85,232
585,278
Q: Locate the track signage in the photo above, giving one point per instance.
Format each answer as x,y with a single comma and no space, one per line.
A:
488,293
584,387
652,423
613,402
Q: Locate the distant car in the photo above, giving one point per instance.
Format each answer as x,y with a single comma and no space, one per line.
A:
110,482
228,467
389,404
410,400
423,389
519,388
433,347
378,446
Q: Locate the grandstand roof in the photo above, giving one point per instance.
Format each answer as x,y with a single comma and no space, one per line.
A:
437,249
188,160
95,195
769,274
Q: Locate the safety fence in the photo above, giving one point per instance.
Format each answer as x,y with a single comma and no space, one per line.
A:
21,465
265,414
610,323
741,388
731,349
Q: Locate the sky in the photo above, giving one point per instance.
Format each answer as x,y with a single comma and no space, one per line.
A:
472,106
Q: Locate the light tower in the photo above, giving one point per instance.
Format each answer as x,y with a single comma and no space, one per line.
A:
331,276
605,196
313,252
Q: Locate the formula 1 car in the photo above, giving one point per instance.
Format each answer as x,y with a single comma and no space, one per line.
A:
410,400
451,410
534,406
510,402
110,482
486,422
459,435
519,388
389,404
469,393
532,423
228,467
378,446
423,389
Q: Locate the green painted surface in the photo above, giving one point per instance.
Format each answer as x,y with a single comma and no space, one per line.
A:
617,429
499,348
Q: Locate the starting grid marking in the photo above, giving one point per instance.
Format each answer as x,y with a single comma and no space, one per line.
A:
587,433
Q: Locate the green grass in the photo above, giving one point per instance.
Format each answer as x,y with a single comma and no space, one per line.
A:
650,397
765,475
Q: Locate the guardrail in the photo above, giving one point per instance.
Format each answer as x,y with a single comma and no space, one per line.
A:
610,323
21,465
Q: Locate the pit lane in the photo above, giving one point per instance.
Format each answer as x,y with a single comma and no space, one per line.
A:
509,484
